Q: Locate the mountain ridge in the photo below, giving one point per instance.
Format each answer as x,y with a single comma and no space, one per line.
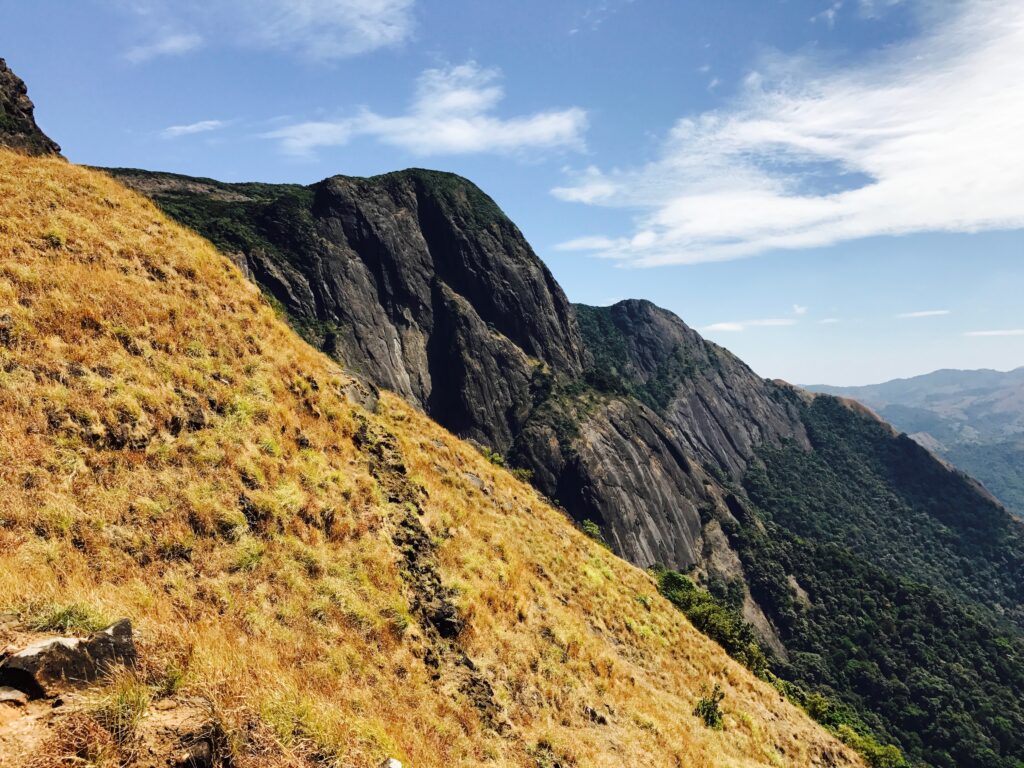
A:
173,453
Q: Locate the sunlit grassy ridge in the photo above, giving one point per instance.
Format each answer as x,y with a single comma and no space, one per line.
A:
170,451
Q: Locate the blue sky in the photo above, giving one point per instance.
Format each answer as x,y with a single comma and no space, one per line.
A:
832,189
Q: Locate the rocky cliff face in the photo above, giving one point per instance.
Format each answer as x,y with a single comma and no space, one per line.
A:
18,128
664,421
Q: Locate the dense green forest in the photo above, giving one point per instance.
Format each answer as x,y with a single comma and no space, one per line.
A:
717,616
886,498
999,465
894,623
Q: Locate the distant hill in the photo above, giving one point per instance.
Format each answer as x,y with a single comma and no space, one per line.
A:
973,419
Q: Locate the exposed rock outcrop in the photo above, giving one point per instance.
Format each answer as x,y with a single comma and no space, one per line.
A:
18,129
50,664
673,418
415,280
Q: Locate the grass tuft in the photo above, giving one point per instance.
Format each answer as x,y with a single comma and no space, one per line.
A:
68,619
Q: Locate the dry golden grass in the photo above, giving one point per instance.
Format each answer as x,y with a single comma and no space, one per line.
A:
170,451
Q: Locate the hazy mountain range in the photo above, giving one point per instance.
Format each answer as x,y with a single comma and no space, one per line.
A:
974,419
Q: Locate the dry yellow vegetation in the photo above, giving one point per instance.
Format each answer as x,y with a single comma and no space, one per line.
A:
343,585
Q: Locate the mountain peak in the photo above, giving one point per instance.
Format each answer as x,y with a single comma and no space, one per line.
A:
18,129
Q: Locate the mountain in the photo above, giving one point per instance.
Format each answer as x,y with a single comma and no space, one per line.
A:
326,573
18,127
872,574
418,281
973,419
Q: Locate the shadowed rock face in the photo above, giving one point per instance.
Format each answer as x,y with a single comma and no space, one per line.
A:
677,417
18,129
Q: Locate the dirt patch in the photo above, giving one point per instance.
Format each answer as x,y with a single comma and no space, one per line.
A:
431,602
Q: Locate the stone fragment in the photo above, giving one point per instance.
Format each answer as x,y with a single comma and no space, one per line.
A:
12,697
47,665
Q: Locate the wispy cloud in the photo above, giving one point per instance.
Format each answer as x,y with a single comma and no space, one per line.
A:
1005,332
873,9
171,44
736,326
727,327
590,187
829,321
597,14
315,29
799,309
829,14
203,126
924,136
453,112
922,313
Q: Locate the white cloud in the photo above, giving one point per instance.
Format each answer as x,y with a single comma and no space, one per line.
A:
1006,332
924,313
203,126
736,326
585,191
829,321
172,44
829,14
923,137
452,113
316,29
799,309
595,243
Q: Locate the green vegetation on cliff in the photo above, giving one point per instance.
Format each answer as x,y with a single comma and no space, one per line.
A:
611,369
835,552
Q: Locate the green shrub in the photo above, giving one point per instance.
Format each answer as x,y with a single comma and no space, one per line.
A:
54,238
714,618
492,456
708,708
593,530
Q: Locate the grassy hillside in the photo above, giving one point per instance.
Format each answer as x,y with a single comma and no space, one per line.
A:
342,585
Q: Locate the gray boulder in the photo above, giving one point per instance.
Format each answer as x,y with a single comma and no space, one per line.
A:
50,664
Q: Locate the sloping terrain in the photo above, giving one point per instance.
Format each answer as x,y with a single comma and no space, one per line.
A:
669,446
341,582
974,419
